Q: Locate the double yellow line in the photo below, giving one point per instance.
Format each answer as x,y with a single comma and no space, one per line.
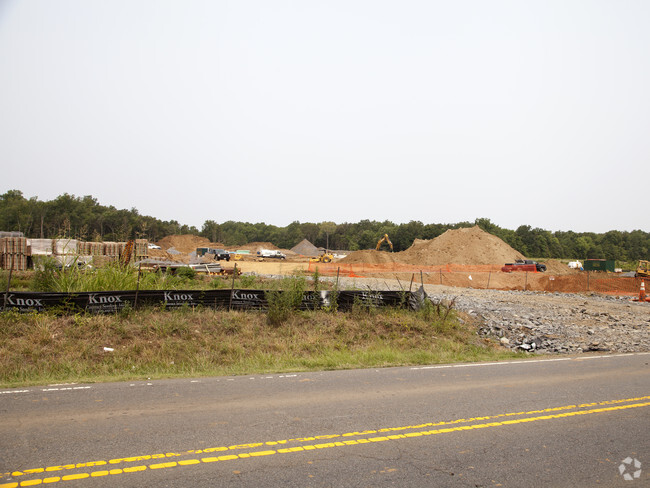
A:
300,444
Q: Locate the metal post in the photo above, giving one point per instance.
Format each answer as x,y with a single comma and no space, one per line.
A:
411,285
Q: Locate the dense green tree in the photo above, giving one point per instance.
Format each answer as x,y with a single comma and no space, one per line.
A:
84,218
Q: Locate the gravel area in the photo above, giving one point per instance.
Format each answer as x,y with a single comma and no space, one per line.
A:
544,322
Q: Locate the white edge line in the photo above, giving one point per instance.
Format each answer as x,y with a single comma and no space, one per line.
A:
526,361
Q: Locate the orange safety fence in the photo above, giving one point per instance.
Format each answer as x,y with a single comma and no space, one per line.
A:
367,268
487,277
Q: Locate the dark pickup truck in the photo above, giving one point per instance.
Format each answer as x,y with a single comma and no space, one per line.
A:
523,265
219,254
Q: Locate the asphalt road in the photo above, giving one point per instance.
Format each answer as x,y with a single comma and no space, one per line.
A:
567,421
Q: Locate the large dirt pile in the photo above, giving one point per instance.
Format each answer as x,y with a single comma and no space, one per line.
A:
372,257
468,246
305,248
258,246
184,243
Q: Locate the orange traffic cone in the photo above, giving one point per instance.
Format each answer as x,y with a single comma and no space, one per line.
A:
642,292
642,297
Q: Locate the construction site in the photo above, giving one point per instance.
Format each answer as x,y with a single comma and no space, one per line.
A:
548,306
466,258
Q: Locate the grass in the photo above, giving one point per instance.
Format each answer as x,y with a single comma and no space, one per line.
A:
149,343
153,343
114,277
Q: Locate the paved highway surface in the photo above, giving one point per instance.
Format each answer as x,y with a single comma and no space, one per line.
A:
562,421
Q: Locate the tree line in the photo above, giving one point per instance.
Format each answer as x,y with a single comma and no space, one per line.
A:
85,219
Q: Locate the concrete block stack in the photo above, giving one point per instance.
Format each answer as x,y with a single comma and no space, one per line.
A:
13,253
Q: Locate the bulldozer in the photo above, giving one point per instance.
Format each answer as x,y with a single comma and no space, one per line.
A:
643,269
386,240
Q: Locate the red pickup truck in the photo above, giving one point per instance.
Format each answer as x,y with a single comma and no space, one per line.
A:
523,265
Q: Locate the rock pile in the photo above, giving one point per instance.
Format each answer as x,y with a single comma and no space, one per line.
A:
557,322
564,323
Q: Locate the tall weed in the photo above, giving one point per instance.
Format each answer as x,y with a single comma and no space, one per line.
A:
283,302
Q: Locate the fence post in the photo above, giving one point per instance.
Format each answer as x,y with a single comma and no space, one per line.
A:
137,288
526,282
488,284
587,280
11,269
232,287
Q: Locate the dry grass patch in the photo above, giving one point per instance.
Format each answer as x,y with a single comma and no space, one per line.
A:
44,348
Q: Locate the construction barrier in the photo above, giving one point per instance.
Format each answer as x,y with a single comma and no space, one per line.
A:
365,268
236,299
486,277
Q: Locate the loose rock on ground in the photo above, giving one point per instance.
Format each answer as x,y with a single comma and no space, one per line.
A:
546,322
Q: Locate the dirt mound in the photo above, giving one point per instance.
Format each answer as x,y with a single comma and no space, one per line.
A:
257,246
184,243
555,267
305,248
162,255
370,257
467,246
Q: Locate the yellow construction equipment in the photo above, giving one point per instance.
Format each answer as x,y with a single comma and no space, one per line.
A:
323,258
643,269
386,240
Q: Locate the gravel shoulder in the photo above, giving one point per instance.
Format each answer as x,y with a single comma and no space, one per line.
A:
544,322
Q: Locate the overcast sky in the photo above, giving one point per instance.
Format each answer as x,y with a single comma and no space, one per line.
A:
523,112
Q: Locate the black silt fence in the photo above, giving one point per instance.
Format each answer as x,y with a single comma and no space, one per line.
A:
113,301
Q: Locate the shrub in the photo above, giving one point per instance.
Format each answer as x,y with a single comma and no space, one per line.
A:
186,273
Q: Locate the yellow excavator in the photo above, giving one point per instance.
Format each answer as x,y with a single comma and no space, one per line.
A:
386,240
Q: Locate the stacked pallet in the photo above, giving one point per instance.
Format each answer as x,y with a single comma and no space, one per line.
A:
141,249
13,253
90,248
113,249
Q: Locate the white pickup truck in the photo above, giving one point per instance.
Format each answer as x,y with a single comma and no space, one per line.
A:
267,253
